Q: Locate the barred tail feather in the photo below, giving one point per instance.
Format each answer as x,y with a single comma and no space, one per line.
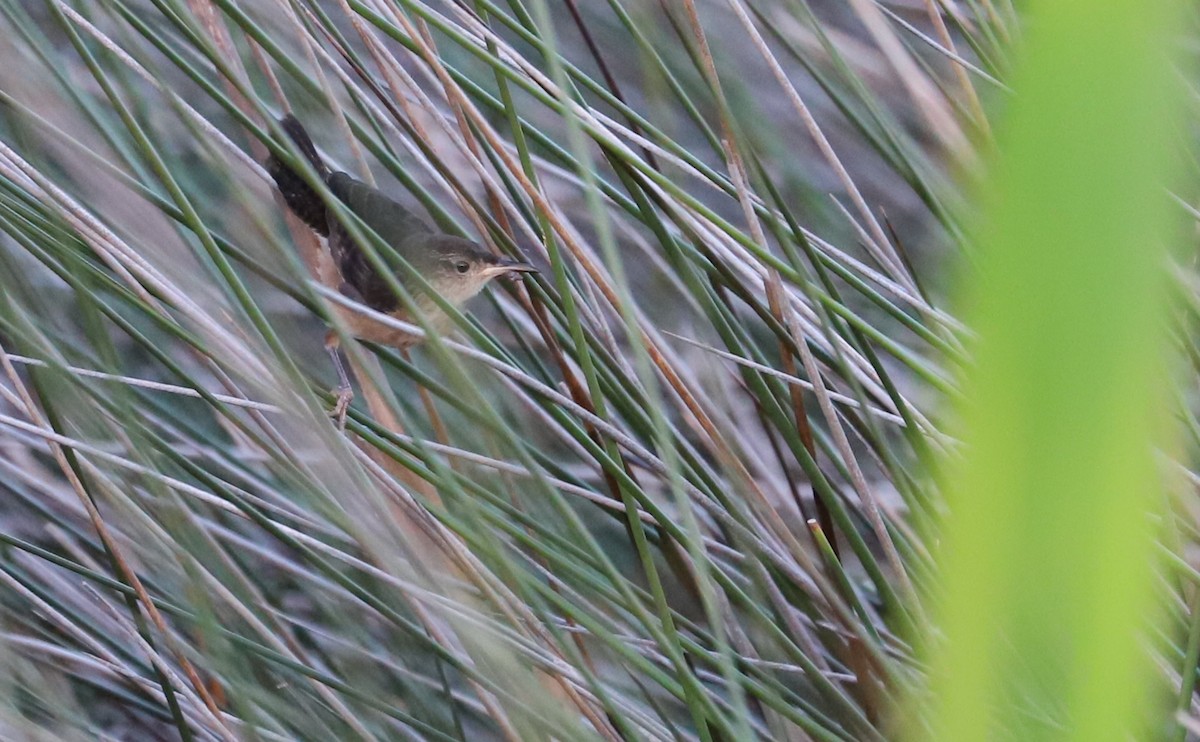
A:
300,197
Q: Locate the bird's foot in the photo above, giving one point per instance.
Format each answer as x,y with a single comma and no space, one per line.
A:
344,391
341,406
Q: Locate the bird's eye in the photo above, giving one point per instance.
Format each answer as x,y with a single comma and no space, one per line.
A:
462,266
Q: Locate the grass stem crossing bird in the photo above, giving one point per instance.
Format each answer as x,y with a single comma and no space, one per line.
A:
453,267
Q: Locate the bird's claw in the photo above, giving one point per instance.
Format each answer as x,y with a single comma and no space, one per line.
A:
341,406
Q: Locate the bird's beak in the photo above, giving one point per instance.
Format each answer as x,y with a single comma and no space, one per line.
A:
508,265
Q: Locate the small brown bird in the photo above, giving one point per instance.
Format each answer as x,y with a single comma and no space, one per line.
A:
455,268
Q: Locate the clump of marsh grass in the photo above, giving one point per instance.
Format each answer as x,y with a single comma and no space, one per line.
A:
676,486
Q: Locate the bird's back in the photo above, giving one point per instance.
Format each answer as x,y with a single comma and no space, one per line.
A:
389,219
396,225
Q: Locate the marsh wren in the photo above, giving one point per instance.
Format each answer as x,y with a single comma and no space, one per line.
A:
453,267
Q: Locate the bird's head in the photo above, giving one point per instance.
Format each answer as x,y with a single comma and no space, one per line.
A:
458,269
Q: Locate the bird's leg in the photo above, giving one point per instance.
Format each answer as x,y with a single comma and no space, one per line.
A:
345,392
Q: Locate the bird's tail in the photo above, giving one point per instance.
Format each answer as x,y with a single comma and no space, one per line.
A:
301,198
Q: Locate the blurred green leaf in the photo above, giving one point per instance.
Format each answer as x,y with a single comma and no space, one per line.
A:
1047,555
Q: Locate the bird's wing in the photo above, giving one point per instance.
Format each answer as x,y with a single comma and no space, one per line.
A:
391,221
